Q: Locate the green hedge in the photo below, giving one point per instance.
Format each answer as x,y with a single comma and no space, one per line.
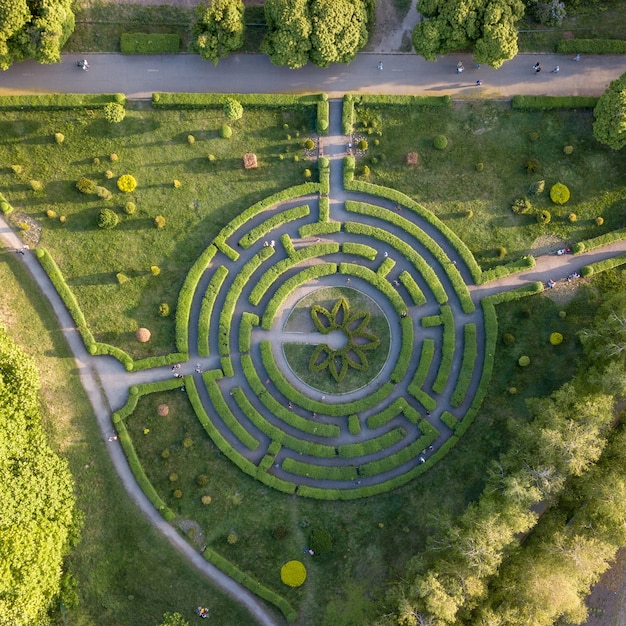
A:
426,358
507,269
406,350
591,46
444,102
432,246
347,114
387,414
280,411
449,420
546,103
149,43
377,281
431,278
602,266
405,455
137,391
307,274
248,322
206,310
447,350
349,166
153,361
385,267
320,472
227,367
5,207
57,102
417,295
288,244
354,425
323,110
601,240
165,100
516,294
359,249
278,219
324,166
319,228
470,351
185,297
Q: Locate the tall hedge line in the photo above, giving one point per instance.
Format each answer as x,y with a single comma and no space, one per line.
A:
426,358
248,322
601,240
149,43
206,310
602,266
447,349
591,46
57,101
278,219
381,418
546,103
470,351
417,295
377,281
319,228
359,249
507,269
406,350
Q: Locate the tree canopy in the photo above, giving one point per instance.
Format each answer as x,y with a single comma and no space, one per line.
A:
320,31
37,520
219,28
610,115
36,30
489,26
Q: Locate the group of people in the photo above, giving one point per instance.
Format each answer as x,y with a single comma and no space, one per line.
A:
202,612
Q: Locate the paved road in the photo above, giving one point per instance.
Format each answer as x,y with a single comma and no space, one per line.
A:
140,76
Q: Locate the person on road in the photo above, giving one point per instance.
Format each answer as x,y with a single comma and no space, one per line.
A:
380,65
84,65
556,70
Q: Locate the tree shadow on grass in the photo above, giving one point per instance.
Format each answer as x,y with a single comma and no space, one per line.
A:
136,223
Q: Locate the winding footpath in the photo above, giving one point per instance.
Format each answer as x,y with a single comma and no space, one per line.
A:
104,378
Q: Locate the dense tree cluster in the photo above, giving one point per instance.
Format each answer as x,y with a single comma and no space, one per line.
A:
37,520
320,31
487,26
610,115
219,28
36,30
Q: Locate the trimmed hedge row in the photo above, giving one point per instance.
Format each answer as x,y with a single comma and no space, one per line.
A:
430,321
447,349
602,266
417,295
387,414
319,228
429,275
320,472
223,410
278,219
164,100
149,43
5,207
507,269
449,420
280,411
308,404
153,361
323,164
354,425
470,351
69,299
323,115
136,391
398,197
403,100
428,402
385,267
349,167
295,257
251,584
516,294
58,101
227,367
206,310
285,240
432,246
546,103
426,358
359,249
371,446
376,281
227,313
601,240
406,350
185,297
301,446
307,274
248,322
347,114
324,209
591,46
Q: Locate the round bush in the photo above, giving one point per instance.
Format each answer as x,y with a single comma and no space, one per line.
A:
307,173
544,217
212,158
532,166
501,252
59,137
191,139
508,339
164,309
126,183
572,218
562,314
96,161
113,156
206,499
51,213
469,214
165,454
512,390
159,221
226,132
233,109
173,477
155,270
109,174
177,184
293,573
599,220
556,338
533,135
559,193
232,538
523,361
202,480
480,166
521,206
362,144
107,219
62,219
114,113
568,149
309,144
187,442
103,192
440,142
178,494
86,185
130,208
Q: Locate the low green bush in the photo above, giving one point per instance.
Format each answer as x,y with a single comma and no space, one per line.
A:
515,294
602,266
203,100
347,114
598,242
319,228
544,217
374,100
359,249
449,420
406,351
521,206
270,224
440,142
206,309
354,425
387,414
58,102
114,113
559,193
226,132
323,116
248,322
447,350
107,219
507,269
417,295
5,207
546,103
377,281
149,43
470,352
591,46
233,109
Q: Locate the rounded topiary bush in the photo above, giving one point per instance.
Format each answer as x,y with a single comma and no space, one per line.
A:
206,499
191,139
51,213
293,573
307,174
501,252
480,166
233,109
155,270
232,538
544,217
165,454
202,479
107,219
126,183
362,144
113,156
508,339
521,205
143,335
572,217
309,144
159,221
559,193
86,185
556,338
523,361
533,135
187,442
109,174
599,220
178,494
440,142
173,477
512,390
114,113
130,208
226,132
568,149
59,137
163,410
164,309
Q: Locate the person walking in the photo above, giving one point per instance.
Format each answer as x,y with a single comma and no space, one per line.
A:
537,69
556,70
535,66
479,83
459,67
576,58
380,65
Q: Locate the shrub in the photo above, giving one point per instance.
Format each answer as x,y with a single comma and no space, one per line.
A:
533,135
293,573
523,361
202,479
599,220
307,174
544,217
86,185
191,139
165,454
469,214
164,309
107,219
126,183
130,208
177,184
556,338
173,477
512,390
532,166
62,219
568,149
440,142
103,192
480,166
501,252
36,185
109,174
226,132
537,188
96,161
508,339
362,144
521,205
366,171
178,494
59,137
113,156
206,499
114,113
159,221
233,110
232,538
559,193
155,270
309,144
51,213
212,158
572,218
18,170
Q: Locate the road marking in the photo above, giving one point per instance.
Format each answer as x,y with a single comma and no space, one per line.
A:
153,70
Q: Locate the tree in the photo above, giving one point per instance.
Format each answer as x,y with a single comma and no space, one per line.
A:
610,115
606,339
114,113
320,31
37,517
36,30
487,25
233,109
219,28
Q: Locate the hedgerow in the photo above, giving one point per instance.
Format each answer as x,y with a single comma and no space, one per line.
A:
359,249
323,164
601,240
426,358
406,350
507,269
387,414
447,350
547,103
163,100
591,46
354,425
516,294
385,267
410,452
602,266
417,295
320,472
58,102
444,102
149,43
256,233
449,420
227,367
347,114
248,322
319,228
376,281
206,310
323,111
470,351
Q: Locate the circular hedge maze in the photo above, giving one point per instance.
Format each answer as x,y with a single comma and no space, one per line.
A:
346,354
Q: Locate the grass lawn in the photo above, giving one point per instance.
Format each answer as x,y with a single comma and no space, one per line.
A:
153,146
448,183
127,572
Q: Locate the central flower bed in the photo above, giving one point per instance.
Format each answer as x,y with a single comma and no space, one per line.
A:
350,339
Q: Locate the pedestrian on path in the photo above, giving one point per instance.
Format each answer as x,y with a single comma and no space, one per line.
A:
576,58
538,69
556,70
380,65
479,83
459,67
535,66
